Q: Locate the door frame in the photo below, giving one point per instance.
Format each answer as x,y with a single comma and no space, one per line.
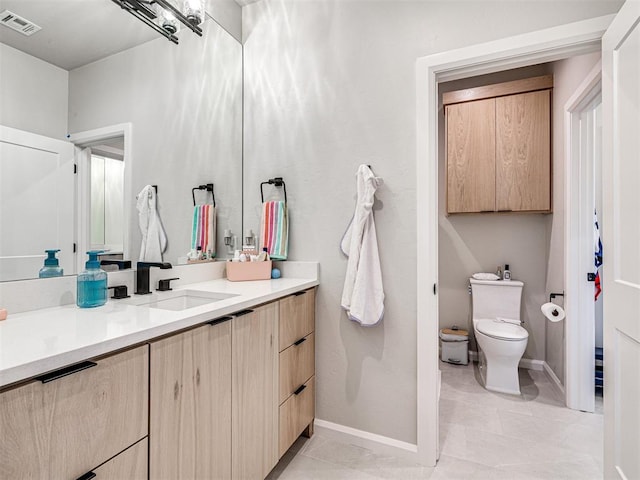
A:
86,139
546,45
579,203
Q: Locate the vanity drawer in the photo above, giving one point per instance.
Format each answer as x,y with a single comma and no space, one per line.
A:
296,414
130,464
297,365
297,317
63,426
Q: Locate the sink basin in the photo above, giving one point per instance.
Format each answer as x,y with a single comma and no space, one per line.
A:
183,299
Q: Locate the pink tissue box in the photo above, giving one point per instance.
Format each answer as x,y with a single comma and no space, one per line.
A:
242,271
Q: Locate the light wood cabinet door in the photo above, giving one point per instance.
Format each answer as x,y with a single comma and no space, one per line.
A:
471,136
523,152
255,393
190,426
65,427
297,317
130,464
296,414
297,365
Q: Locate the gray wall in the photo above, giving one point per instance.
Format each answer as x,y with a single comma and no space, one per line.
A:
330,85
33,94
185,104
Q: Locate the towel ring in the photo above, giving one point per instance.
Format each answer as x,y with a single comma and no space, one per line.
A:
277,182
208,187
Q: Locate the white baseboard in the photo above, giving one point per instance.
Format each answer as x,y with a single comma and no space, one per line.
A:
372,441
554,378
532,364
528,363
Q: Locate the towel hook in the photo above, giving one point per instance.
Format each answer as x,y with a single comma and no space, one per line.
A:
208,187
277,182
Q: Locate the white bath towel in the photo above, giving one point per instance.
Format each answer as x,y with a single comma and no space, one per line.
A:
363,293
154,238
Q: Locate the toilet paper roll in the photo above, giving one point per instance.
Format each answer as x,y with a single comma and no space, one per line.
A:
553,312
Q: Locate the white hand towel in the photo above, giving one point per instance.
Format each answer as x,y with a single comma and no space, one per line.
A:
363,293
154,238
485,276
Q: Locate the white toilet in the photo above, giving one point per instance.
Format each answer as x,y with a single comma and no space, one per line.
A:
500,337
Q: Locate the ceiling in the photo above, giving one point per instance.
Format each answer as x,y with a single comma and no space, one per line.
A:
76,32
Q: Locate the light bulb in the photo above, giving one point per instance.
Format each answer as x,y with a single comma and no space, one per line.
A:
194,10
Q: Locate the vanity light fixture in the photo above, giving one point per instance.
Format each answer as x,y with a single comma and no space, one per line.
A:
164,17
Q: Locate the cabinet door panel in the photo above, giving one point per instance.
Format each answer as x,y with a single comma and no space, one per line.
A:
130,464
297,317
190,427
471,137
295,414
297,365
255,393
523,152
64,428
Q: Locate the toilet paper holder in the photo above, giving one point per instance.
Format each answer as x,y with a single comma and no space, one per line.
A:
554,295
555,313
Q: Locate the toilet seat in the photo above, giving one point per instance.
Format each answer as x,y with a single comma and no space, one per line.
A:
501,330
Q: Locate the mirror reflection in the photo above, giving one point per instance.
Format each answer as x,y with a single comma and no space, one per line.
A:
184,107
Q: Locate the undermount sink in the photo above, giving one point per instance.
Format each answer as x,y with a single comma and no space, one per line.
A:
183,299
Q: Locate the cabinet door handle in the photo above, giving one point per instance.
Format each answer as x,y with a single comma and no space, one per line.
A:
297,294
302,340
87,476
220,320
63,372
242,312
299,389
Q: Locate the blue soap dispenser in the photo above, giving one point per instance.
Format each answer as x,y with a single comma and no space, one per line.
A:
92,283
51,266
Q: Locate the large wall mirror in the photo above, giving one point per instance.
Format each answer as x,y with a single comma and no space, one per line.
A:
182,108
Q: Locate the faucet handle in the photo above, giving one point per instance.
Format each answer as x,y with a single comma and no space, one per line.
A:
119,291
164,284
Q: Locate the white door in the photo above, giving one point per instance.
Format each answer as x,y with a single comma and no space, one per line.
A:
621,241
37,193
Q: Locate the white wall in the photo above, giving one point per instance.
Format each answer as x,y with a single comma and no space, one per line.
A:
33,94
228,14
568,75
185,105
330,85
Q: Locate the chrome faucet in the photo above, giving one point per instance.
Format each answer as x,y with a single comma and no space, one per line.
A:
142,275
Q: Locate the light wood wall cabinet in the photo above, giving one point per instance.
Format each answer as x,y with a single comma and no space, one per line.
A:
297,367
499,147
69,422
190,425
254,392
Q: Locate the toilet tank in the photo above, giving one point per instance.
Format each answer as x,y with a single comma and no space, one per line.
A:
496,298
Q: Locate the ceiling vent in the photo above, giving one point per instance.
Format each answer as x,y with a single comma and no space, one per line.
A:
17,23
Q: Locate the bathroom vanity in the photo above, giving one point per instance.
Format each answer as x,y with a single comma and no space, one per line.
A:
170,386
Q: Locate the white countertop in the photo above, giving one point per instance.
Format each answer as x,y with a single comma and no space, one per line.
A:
36,342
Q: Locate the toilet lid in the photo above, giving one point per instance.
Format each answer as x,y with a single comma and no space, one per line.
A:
501,330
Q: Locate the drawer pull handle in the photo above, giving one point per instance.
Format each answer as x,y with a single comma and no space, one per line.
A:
87,476
63,372
297,294
243,312
299,389
302,340
220,320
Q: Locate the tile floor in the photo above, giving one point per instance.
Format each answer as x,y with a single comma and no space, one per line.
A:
483,435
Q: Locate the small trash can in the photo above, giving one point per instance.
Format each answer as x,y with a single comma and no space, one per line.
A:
454,345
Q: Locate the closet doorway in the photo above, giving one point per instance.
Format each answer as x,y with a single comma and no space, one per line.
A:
583,300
